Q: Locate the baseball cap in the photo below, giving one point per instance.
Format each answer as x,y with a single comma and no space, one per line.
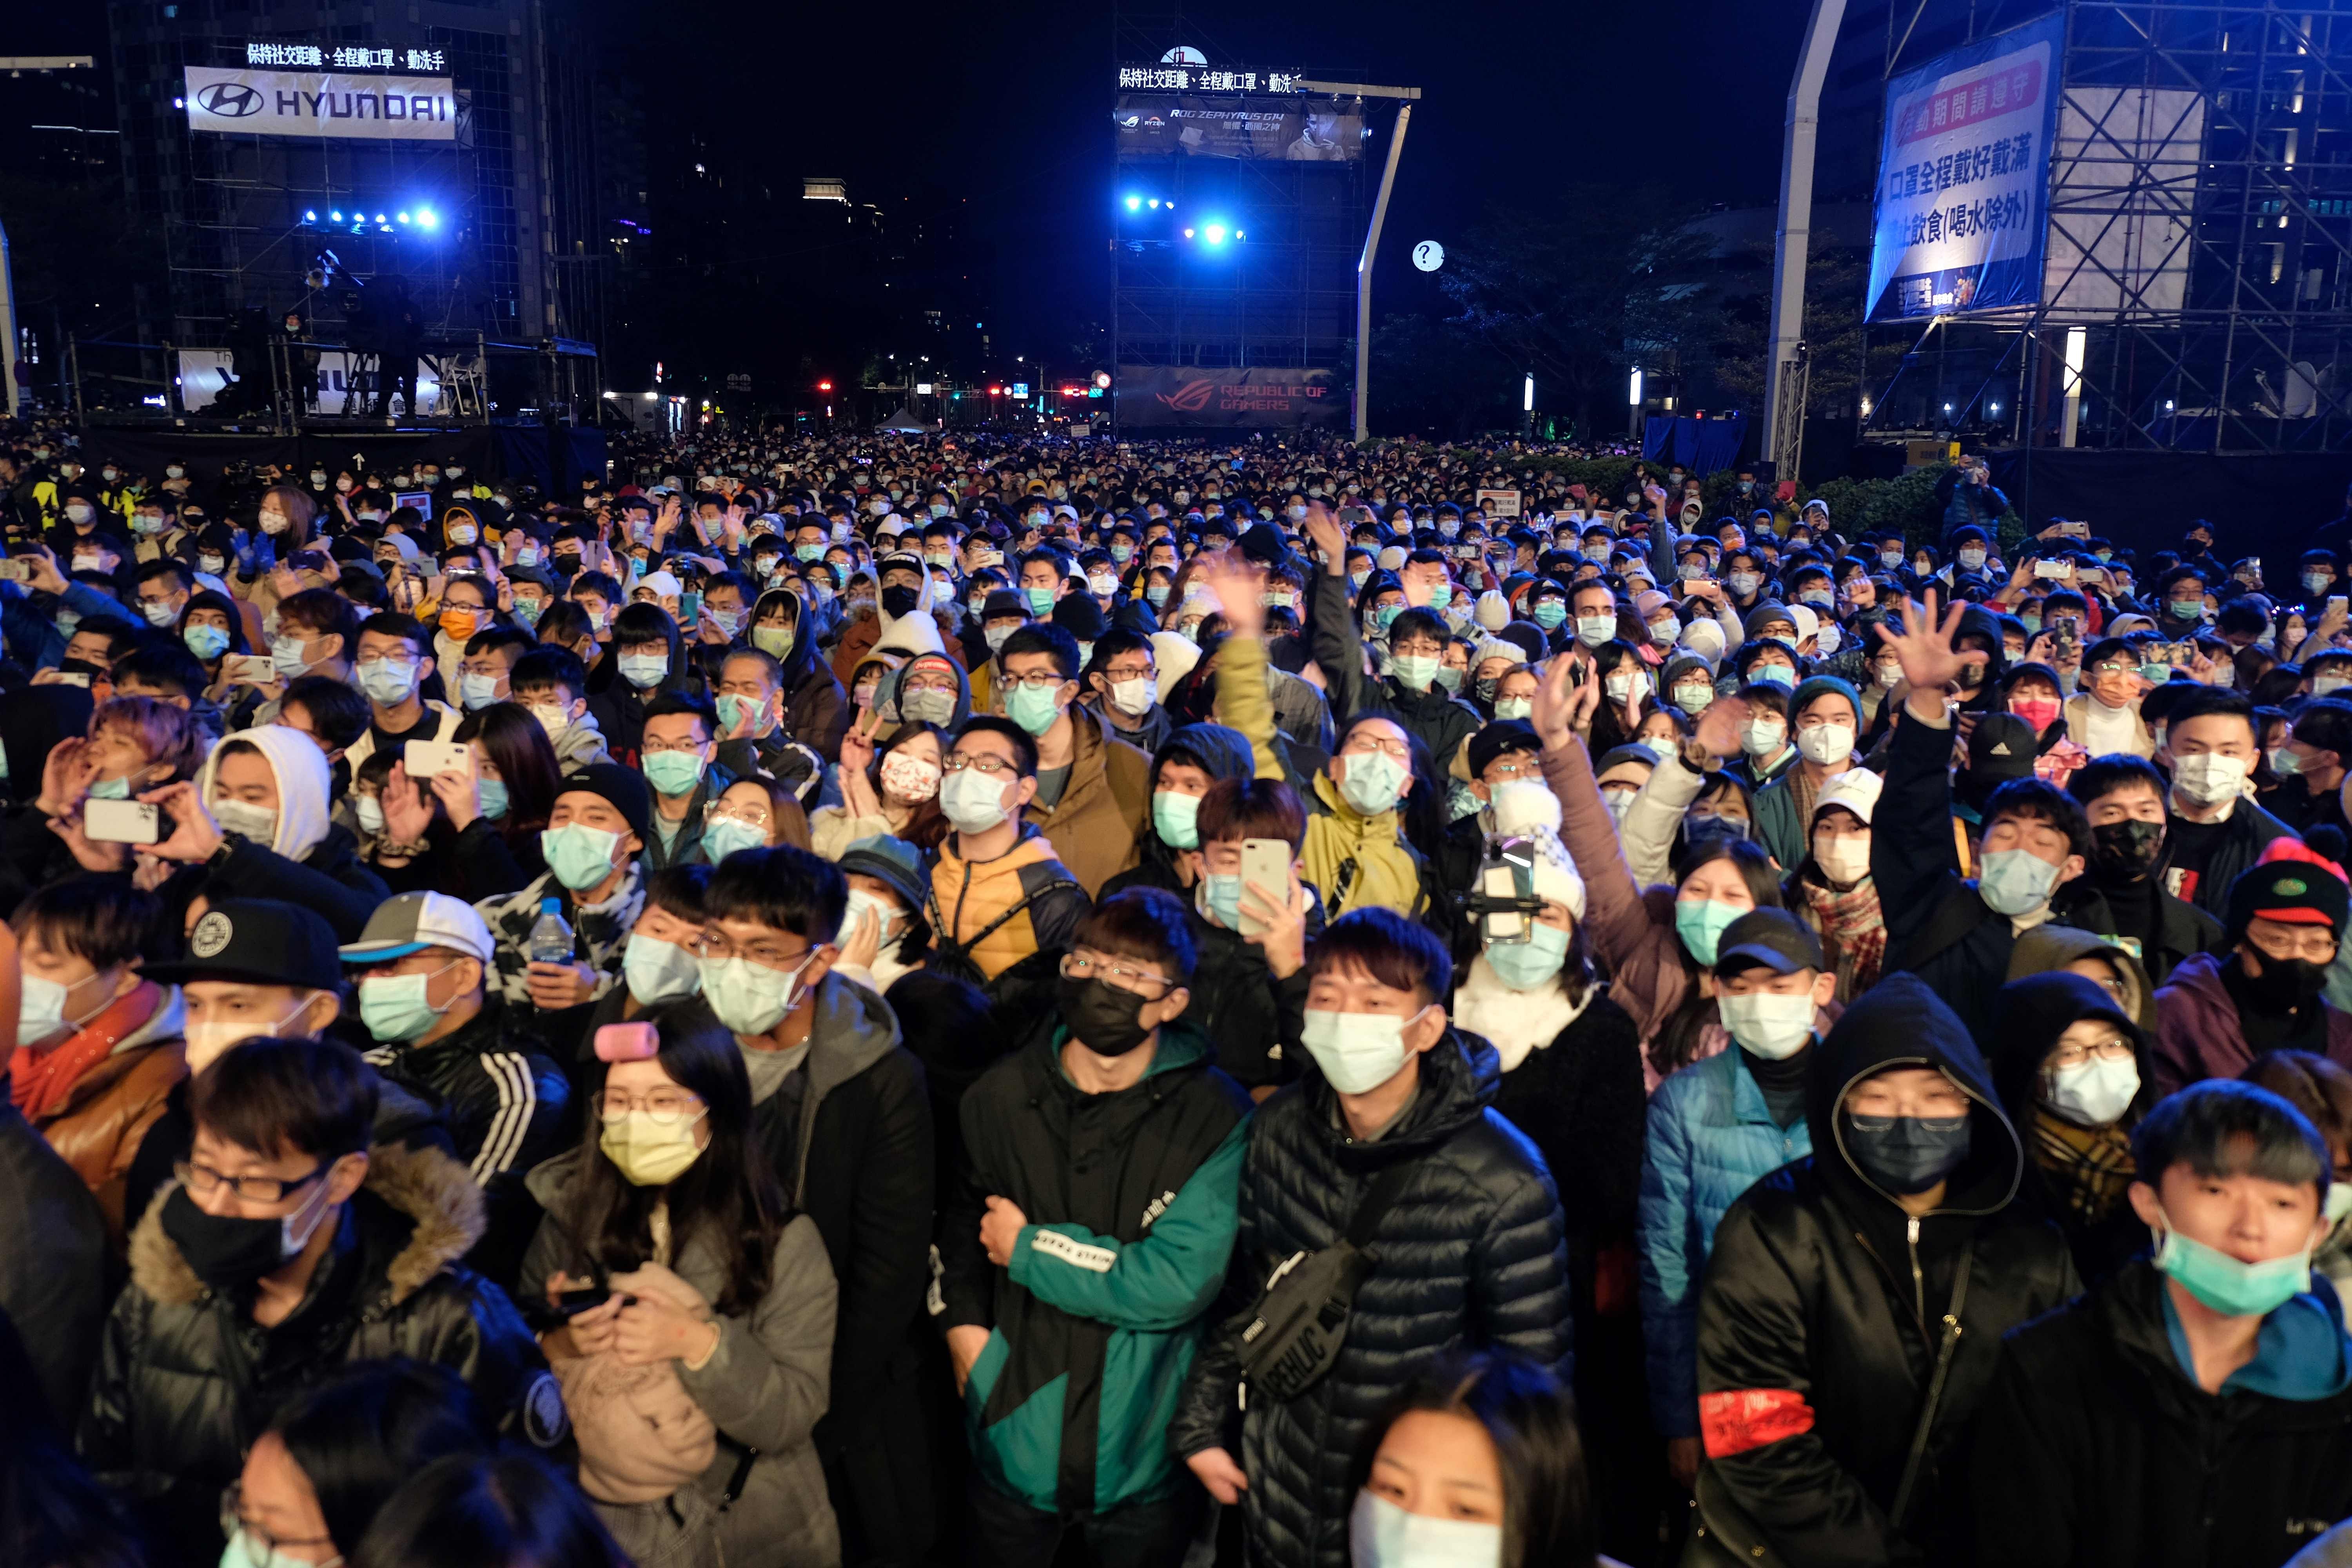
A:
1856,789
261,941
2001,746
1774,939
1498,737
411,922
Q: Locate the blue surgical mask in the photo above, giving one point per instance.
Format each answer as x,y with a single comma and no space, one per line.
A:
1701,923
492,793
579,855
477,691
1373,782
2231,1285
1033,708
1525,965
644,671
673,772
396,1007
725,834
207,643
2016,881
658,971
1222,898
387,681
1176,818
1415,671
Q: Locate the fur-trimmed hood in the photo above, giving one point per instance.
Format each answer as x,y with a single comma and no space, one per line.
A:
430,1190
1515,1023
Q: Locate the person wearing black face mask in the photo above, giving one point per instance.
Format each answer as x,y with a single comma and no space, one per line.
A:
1093,1230
2262,991
290,1246
2119,896
1855,1304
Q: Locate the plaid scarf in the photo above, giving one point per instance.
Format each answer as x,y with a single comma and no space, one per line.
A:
1854,937
2089,1167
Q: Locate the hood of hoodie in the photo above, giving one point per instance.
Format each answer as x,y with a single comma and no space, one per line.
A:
1459,1078
885,695
912,634
2028,1017
303,783
2051,946
1979,622
1899,1022
854,1028
1223,752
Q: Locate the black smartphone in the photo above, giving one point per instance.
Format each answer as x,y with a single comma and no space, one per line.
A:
586,1299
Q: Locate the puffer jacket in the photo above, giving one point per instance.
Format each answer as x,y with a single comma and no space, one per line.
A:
1711,1139
186,1380
2096,1450
1822,1316
968,897
1254,1018
1471,1255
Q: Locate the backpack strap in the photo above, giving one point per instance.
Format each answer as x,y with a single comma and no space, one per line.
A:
1379,1198
939,926
1950,1342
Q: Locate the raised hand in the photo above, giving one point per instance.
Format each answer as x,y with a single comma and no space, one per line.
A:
1930,662
1555,713
194,835
1237,583
1328,537
1718,732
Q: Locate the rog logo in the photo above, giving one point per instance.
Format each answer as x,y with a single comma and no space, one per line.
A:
229,99
1190,398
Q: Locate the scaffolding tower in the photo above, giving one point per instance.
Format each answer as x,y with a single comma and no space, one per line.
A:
2198,280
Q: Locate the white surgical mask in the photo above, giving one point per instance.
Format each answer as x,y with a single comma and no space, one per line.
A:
2208,778
2094,1093
1357,1052
1382,1535
1774,1027
1845,860
1762,737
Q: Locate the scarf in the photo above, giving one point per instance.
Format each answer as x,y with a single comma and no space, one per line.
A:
43,1079
1853,933
2089,1167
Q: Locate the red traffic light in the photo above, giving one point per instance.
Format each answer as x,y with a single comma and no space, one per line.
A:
825,387
996,392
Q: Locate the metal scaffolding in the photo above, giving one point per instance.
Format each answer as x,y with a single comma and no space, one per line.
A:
2198,286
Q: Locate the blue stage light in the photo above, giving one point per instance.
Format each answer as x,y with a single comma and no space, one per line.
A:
309,217
336,215
1135,203
1215,234
427,218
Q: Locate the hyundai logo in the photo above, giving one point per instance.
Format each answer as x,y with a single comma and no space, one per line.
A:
229,99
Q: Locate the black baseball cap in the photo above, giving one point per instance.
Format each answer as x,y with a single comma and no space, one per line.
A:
260,941
1770,938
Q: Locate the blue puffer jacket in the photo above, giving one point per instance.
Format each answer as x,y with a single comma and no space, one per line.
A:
1710,1138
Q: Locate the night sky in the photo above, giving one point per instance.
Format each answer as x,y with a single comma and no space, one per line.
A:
1004,110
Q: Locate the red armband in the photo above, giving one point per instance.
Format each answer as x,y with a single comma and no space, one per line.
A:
1747,1418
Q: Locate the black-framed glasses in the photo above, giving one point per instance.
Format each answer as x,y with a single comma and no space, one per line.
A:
202,1181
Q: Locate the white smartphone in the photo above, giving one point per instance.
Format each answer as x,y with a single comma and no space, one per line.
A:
1266,862
431,759
120,822
252,668
2050,569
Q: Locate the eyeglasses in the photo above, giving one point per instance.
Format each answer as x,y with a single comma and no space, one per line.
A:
1397,749
232,1519
204,1181
652,747
1078,966
712,947
1036,680
666,1106
993,767
750,815
2318,946
1130,672
1511,772
2071,1054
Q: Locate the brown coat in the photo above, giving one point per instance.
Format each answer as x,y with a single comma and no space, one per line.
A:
99,1126
1094,826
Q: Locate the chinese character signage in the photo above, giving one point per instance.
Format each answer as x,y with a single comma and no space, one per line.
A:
1191,397
344,58
1300,130
1964,178
285,103
1164,77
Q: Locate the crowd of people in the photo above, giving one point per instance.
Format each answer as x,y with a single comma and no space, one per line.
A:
906,999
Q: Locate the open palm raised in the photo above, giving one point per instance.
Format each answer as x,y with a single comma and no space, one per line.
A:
1930,662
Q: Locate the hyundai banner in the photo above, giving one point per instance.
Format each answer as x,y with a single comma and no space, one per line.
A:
1195,397
1964,178
304,103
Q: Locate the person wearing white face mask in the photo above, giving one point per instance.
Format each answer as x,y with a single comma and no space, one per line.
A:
1123,681
1388,1122
1714,1128
2214,830
256,818
1480,1464
2067,1061
839,1109
1958,934
392,659
998,893
1826,717
1832,889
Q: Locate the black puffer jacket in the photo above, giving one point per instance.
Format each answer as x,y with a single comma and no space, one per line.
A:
186,1380
1821,1314
1470,1255
2095,1449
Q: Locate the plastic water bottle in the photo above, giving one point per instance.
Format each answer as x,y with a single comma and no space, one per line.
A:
550,934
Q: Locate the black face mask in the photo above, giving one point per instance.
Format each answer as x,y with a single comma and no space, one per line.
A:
227,1253
899,601
1906,1154
2284,986
1102,1017
2126,852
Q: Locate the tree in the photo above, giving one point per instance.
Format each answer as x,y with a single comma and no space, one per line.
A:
1438,376
1578,297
